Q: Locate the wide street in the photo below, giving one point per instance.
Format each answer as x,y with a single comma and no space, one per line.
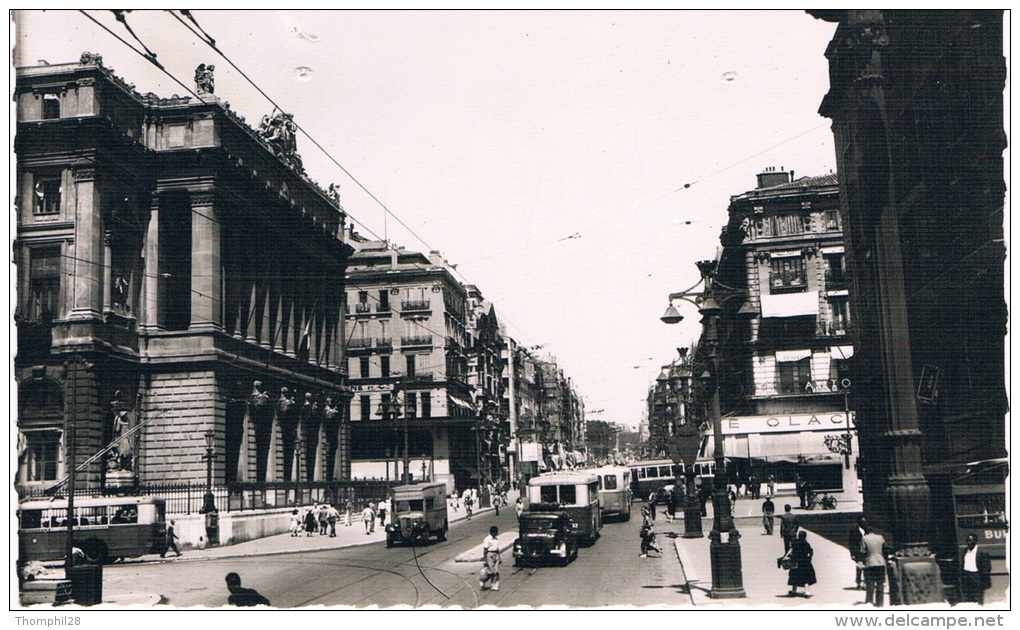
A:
607,574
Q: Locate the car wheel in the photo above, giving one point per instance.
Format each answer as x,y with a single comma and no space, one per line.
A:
441,534
389,540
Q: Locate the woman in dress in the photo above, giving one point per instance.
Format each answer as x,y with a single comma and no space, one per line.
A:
802,572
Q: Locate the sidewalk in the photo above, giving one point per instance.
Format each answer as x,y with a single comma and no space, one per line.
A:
764,583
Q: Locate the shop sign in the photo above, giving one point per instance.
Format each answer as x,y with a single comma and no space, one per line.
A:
742,425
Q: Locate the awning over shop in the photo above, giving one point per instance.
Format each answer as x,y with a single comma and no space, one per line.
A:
789,304
461,403
842,352
792,356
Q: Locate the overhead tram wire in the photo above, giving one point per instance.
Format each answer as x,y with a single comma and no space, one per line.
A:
208,40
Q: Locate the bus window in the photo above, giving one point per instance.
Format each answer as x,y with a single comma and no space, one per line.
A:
568,495
610,482
548,494
410,506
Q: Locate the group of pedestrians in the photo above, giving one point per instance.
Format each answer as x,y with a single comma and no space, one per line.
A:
321,519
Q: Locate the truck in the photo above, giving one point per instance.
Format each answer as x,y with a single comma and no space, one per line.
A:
418,513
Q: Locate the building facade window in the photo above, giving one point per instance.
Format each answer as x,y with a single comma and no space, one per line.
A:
411,404
786,224
794,376
384,300
44,282
787,275
832,221
51,106
384,365
426,404
365,369
410,361
839,315
366,407
47,193
835,272
42,455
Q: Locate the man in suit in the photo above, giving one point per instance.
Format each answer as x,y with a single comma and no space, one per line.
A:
975,571
875,554
856,547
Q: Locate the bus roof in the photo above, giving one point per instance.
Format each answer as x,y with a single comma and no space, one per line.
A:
61,503
418,487
560,477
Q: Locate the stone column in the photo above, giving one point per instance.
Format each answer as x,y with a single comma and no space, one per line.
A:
86,301
206,268
149,308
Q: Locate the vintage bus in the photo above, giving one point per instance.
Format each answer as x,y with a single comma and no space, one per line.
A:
104,528
576,493
615,494
979,505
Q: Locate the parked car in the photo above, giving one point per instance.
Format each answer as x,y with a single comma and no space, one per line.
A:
545,536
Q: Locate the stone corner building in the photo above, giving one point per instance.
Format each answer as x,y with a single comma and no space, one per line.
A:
916,103
178,276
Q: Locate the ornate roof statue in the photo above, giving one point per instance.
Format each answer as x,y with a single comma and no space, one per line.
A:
204,82
280,133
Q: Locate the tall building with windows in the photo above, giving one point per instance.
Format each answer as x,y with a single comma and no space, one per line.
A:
158,304
408,352
787,371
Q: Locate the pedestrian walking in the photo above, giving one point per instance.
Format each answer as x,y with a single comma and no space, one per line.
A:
348,514
672,499
322,513
876,555
456,501
975,571
382,514
801,492
295,523
332,516
647,534
241,596
371,521
490,551
519,506
856,547
368,518
788,527
770,488
171,540
469,502
802,571
768,515
311,522
653,499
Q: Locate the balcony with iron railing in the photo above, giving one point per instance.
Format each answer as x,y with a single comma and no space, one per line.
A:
353,344
362,309
835,281
416,306
384,343
383,308
787,281
416,341
834,329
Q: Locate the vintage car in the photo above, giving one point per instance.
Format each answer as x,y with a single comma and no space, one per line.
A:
545,536
418,512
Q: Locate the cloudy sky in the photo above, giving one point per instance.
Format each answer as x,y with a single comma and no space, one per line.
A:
546,154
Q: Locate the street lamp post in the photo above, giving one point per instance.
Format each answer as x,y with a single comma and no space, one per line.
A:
724,545
208,500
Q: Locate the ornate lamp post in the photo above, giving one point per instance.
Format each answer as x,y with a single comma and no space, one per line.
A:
727,572
208,500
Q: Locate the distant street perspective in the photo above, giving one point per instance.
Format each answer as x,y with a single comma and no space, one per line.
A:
361,310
